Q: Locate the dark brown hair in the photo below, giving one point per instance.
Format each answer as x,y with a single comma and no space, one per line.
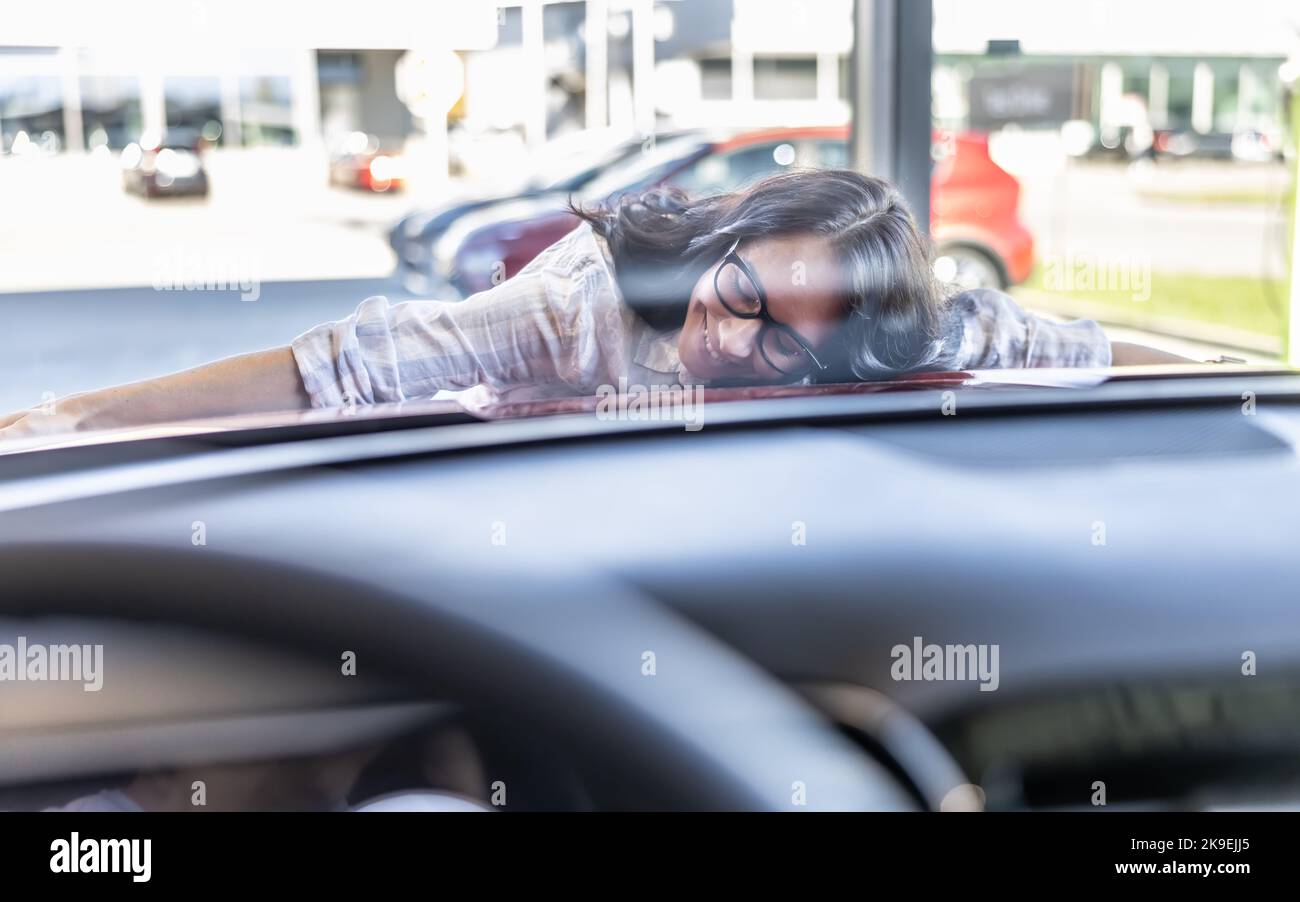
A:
662,241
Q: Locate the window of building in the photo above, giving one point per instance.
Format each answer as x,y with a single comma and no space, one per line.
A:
110,110
265,110
193,103
715,79
785,78
31,114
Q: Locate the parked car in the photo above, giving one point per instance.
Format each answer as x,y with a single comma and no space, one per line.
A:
980,240
974,216
496,242
169,166
1244,145
1115,143
1251,145
361,163
413,236
1186,142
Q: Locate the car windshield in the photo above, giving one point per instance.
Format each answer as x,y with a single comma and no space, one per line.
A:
200,233
648,406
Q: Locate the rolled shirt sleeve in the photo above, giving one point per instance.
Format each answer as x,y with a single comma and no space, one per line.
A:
560,321
996,332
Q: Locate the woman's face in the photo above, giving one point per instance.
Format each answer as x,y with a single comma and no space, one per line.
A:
800,279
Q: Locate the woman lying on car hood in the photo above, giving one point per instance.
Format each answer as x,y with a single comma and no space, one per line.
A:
805,276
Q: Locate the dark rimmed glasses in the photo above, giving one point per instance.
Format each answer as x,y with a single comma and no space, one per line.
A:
738,289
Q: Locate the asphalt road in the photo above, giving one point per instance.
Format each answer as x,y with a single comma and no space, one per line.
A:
1172,237
67,341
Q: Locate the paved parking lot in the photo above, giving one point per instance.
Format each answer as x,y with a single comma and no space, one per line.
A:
66,341
1210,218
68,224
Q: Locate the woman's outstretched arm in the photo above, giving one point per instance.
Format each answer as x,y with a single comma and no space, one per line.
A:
249,383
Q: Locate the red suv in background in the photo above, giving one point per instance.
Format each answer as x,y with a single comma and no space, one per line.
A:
974,219
980,241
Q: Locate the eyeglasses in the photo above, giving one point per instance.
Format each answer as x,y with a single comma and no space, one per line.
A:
738,288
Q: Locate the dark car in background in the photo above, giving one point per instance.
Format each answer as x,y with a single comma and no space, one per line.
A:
1245,145
1187,142
495,243
414,235
980,240
171,166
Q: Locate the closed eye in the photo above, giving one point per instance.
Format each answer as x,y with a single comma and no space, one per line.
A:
787,345
740,285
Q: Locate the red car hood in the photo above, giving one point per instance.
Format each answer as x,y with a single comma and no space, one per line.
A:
974,380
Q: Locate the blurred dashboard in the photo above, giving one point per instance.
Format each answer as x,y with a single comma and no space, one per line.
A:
1134,569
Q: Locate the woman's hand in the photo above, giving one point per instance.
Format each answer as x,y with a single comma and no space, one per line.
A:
55,418
250,383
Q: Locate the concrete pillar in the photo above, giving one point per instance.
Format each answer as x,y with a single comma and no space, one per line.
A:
1247,91
231,115
74,139
1203,98
597,115
742,67
643,65
153,106
1112,92
533,78
306,102
828,77
1158,96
